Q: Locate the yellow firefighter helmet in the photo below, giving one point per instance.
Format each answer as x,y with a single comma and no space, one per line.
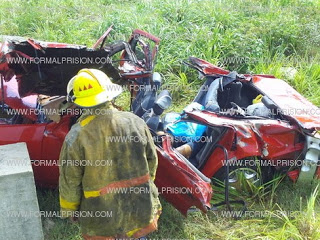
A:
91,87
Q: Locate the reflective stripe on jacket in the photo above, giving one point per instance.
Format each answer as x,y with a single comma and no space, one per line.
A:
107,165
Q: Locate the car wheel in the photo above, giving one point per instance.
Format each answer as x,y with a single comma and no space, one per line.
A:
245,179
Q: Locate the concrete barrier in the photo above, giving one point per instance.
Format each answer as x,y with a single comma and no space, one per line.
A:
19,210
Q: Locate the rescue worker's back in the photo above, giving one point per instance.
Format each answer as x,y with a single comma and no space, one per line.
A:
108,164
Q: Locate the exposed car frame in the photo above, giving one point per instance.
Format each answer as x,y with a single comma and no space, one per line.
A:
274,137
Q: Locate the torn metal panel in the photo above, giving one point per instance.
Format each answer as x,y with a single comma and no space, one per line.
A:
290,102
179,184
281,132
39,87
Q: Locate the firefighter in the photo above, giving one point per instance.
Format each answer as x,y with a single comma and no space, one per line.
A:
107,165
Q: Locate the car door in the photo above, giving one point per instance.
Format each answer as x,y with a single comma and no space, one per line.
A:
179,182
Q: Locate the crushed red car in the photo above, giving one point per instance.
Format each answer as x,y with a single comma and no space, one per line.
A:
249,117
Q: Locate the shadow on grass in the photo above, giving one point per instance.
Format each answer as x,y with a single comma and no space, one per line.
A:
54,227
263,222
171,223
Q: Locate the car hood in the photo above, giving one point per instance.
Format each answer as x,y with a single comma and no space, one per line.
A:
290,102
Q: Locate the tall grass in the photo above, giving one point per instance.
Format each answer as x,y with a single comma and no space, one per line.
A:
244,35
301,224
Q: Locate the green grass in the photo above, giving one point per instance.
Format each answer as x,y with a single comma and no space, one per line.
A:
250,36
244,35
294,216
